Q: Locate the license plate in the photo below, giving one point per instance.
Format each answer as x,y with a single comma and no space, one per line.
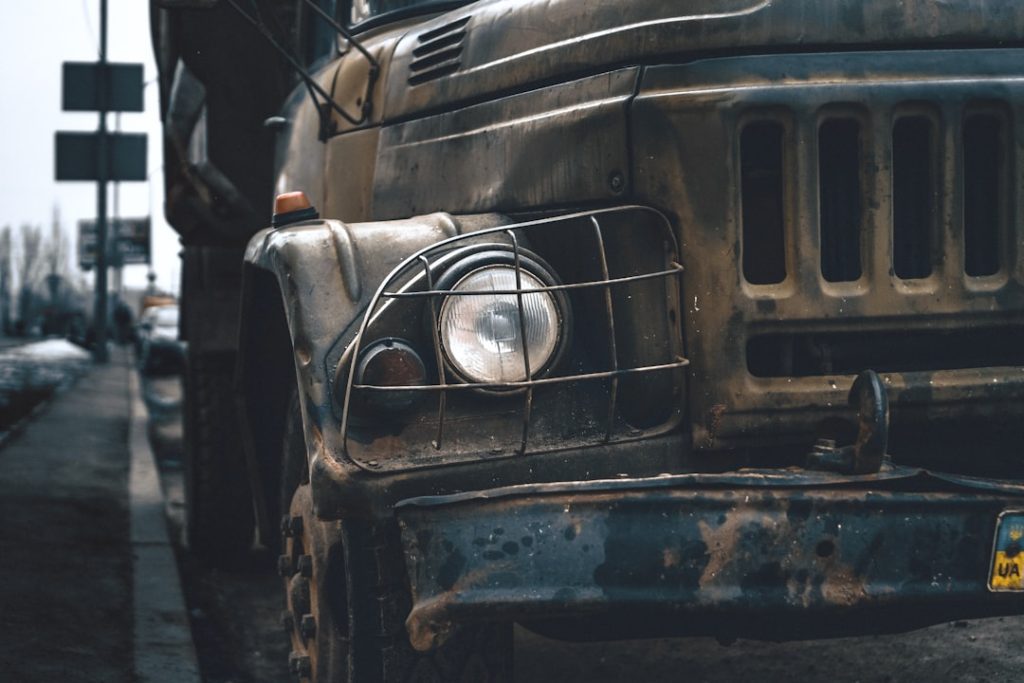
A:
1007,572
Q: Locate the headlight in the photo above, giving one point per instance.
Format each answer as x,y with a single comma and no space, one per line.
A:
482,335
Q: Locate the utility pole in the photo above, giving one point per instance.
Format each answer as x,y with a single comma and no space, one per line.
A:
102,157
99,316
114,227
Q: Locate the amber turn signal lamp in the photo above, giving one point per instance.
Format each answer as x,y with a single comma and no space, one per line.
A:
390,363
292,207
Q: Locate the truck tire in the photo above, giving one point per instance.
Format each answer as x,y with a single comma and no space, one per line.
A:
219,508
347,596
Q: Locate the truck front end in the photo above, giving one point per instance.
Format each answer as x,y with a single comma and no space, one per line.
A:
706,321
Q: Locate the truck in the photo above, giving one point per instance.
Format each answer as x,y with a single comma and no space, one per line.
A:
610,319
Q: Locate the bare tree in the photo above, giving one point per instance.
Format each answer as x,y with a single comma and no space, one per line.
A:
28,255
28,261
5,279
57,248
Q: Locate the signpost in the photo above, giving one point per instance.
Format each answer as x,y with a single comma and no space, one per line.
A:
82,92
100,156
78,156
129,243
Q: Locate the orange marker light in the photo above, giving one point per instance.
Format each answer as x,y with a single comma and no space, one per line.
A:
292,207
291,201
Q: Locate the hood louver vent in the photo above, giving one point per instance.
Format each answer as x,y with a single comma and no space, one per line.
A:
439,52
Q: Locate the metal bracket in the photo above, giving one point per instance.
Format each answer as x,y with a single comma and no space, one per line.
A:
866,454
323,108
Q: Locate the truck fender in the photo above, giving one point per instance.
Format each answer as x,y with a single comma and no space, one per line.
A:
304,289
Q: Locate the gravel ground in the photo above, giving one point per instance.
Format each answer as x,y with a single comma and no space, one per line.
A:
235,621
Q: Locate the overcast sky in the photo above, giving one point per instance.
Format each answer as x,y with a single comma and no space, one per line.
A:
36,36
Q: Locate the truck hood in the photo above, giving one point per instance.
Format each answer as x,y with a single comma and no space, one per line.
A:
495,46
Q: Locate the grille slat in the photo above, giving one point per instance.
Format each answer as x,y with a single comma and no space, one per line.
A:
951,183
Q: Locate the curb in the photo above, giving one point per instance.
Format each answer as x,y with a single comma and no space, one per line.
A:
163,647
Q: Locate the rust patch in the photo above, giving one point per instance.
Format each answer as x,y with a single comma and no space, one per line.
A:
427,630
723,545
842,586
714,420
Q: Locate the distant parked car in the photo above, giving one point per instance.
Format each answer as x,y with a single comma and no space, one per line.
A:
159,350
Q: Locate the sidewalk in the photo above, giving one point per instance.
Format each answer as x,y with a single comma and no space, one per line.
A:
66,577
65,560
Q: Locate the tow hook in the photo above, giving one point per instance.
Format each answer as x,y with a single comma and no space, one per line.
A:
866,454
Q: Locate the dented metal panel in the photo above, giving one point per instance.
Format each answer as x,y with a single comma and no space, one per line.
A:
326,271
512,44
566,143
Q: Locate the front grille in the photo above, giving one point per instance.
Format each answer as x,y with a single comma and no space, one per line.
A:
921,158
842,212
619,380
855,162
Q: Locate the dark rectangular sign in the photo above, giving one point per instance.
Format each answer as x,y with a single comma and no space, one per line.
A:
78,156
81,87
128,242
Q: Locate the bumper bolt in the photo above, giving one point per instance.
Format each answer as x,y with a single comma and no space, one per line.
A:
616,182
307,627
305,566
295,527
286,526
285,566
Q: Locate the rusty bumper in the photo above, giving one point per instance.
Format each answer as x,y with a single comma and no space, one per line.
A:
766,555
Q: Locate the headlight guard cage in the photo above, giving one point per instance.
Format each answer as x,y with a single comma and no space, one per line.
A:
425,261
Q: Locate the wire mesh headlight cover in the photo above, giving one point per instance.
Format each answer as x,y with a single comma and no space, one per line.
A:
602,359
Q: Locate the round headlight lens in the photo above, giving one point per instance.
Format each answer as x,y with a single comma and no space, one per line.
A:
481,334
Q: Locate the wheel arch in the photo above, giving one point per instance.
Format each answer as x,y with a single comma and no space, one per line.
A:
304,289
264,381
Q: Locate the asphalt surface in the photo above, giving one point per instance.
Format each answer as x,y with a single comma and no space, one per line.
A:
235,615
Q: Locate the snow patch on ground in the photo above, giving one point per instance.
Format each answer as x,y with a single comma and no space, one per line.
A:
52,349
